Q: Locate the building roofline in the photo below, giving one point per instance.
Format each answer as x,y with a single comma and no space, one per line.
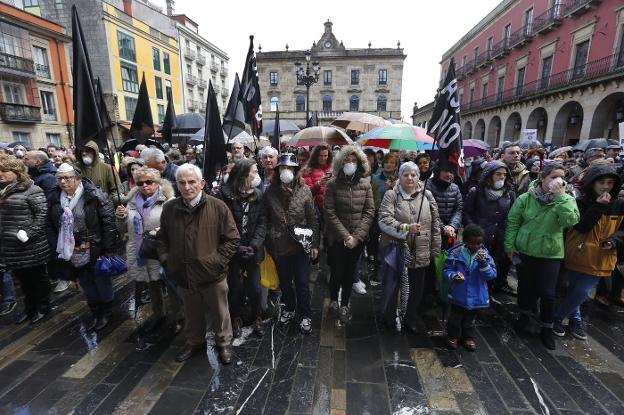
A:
381,52
34,26
184,16
423,109
489,18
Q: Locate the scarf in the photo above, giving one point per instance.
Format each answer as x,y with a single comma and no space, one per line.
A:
65,243
143,208
544,197
493,194
6,190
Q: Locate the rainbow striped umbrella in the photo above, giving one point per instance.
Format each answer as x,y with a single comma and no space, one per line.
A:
398,137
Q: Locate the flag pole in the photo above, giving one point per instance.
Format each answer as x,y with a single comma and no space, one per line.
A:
112,167
232,124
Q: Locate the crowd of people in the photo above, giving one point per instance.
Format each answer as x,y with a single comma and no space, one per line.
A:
429,235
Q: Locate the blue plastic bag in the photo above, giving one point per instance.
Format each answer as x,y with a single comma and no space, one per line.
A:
110,266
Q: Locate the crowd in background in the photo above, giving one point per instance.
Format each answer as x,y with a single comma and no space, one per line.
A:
439,241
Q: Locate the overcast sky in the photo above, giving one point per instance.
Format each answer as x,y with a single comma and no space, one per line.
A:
426,30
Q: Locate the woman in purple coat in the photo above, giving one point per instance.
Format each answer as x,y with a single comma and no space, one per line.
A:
488,205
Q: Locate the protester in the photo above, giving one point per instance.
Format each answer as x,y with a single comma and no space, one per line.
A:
534,167
534,243
474,174
349,210
82,220
197,239
57,158
410,237
289,205
19,151
302,157
238,151
468,268
591,245
131,166
23,240
318,173
423,161
145,203
488,206
511,156
154,158
268,160
242,196
449,203
613,151
41,170
190,156
51,150
94,169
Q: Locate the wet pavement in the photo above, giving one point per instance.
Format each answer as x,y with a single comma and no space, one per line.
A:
58,368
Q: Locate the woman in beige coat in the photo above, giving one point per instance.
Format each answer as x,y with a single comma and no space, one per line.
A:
410,237
142,214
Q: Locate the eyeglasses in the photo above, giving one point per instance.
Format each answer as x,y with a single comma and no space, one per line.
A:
65,178
146,182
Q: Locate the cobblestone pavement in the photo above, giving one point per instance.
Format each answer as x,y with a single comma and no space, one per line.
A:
57,368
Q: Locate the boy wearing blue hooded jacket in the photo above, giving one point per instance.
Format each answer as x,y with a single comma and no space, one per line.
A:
468,268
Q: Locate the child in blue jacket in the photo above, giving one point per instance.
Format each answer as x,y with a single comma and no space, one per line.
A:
468,268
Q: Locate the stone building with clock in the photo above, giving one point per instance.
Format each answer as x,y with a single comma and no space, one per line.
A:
365,80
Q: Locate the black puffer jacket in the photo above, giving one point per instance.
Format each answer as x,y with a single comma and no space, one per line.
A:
23,208
99,218
256,219
449,200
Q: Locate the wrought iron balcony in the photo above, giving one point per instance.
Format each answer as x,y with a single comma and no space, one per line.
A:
202,83
471,67
483,58
189,53
16,63
201,60
214,67
578,7
43,71
191,79
500,49
520,37
224,71
225,91
19,113
548,20
459,73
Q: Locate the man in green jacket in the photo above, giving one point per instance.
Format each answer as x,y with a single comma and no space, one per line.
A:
98,172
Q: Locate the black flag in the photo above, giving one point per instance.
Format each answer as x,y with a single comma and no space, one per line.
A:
106,121
142,123
215,157
313,120
170,122
250,92
234,119
275,139
87,121
445,123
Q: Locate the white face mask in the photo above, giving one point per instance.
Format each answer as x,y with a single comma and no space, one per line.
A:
349,168
554,182
87,160
499,184
256,181
19,154
287,176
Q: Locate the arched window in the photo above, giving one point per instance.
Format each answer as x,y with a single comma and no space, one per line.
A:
274,102
300,100
354,103
327,103
381,103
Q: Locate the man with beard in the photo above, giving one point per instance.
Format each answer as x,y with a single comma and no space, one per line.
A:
511,157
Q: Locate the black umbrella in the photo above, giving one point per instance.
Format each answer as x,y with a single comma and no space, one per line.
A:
24,144
286,127
131,144
525,143
189,123
593,143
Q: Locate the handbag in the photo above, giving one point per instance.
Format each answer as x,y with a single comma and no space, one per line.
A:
149,246
110,266
303,235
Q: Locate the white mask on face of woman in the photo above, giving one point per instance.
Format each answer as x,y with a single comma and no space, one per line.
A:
349,168
287,176
498,184
87,160
256,181
19,154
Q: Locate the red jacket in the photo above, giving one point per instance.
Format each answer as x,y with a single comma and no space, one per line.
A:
313,178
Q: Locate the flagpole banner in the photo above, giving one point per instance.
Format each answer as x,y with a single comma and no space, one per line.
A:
275,139
250,92
215,157
142,122
445,123
234,118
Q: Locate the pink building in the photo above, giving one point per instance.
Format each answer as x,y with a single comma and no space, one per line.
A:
556,66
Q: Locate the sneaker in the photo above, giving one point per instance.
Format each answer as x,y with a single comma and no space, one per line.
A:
558,329
344,315
333,308
306,325
577,328
61,286
286,316
7,308
358,287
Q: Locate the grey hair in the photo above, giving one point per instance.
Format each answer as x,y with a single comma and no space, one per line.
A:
40,155
151,153
187,167
411,166
146,172
265,151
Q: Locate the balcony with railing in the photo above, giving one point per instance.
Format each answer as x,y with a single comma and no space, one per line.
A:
500,49
189,53
19,113
214,67
202,83
483,59
224,71
192,104
217,88
607,66
578,7
520,37
225,91
548,20
43,71
460,73
471,66
17,64
201,60
191,79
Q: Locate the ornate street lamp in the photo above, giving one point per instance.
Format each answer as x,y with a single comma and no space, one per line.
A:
307,77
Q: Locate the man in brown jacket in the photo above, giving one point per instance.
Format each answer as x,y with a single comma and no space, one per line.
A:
197,239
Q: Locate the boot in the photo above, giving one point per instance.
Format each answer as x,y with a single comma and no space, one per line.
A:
547,338
237,330
105,315
95,314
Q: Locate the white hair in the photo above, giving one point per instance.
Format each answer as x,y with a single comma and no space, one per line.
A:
187,167
411,166
265,151
151,153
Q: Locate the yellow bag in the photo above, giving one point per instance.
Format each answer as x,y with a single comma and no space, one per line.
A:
268,273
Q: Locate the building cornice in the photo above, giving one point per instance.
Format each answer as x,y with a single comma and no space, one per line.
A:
32,27
346,54
426,108
131,28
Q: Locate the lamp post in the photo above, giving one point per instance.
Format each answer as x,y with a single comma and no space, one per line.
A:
307,77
